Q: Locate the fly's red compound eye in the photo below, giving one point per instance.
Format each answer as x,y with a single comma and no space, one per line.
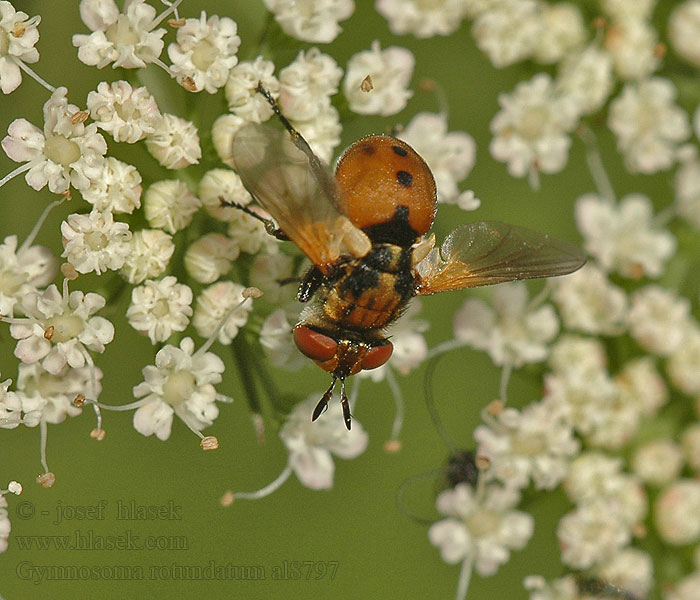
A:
313,344
377,356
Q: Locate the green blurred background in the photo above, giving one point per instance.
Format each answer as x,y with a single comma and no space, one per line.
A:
380,551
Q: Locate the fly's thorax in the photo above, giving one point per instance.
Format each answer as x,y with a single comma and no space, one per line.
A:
369,293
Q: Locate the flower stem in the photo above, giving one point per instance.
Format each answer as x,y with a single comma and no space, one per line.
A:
465,576
595,165
166,13
37,226
270,488
398,399
29,71
44,438
18,171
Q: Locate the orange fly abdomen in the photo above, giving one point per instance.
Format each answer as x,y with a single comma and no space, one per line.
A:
377,175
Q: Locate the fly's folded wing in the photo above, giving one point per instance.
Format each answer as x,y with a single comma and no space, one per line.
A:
490,252
300,193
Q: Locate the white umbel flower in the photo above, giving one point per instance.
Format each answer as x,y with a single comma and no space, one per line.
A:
222,184
307,84
628,9
5,524
585,392
313,21
589,302
684,31
563,588
618,420
633,45
249,234
575,355
277,342
180,383
128,113
535,443
160,307
174,143
10,407
687,588
205,51
482,525
648,125
591,534
117,190
561,31
659,319
624,238
510,331
49,396
390,71
149,255
644,387
170,205
450,155
631,569
677,512
23,271
18,36
507,32
125,39
60,328
597,477
422,19
322,132
587,78
274,275
241,89
64,154
222,131
210,257
531,130
683,365
212,305
311,443
95,242
657,462
687,185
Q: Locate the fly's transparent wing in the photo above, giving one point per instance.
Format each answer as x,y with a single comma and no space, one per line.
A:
490,252
291,184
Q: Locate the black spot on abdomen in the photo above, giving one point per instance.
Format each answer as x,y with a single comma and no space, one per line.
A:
399,150
404,178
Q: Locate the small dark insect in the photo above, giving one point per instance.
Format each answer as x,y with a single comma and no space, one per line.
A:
364,232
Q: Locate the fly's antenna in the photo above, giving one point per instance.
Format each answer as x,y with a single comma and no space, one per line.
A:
323,402
345,404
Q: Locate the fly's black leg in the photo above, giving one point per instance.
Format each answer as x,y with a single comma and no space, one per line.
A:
344,402
323,403
309,284
322,174
269,224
